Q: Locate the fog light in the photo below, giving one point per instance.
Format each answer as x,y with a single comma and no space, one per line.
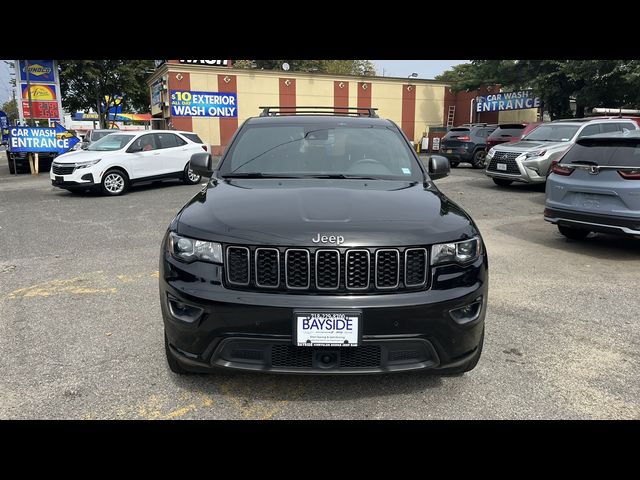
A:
468,313
182,311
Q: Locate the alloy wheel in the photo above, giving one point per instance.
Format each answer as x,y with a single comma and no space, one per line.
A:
114,183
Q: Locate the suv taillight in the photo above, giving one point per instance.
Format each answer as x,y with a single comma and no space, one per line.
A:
556,168
630,174
464,138
204,147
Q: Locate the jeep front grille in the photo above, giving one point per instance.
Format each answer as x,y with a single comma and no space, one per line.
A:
326,270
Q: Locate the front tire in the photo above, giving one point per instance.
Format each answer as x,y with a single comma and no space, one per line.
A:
453,164
189,177
11,170
114,182
501,182
174,366
573,233
478,159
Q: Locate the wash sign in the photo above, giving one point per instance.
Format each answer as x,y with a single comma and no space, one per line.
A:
203,104
507,101
31,139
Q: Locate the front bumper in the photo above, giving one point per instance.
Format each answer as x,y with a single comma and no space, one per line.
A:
597,223
79,179
524,171
254,331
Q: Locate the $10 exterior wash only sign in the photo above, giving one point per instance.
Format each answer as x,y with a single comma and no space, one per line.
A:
203,104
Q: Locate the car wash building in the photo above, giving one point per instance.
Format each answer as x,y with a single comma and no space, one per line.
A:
212,99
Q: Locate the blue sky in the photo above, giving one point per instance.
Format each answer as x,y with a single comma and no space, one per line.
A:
390,68
404,68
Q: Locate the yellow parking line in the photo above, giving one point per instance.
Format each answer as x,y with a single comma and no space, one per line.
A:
90,284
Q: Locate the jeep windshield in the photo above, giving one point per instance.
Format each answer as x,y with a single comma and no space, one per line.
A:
321,150
553,133
113,141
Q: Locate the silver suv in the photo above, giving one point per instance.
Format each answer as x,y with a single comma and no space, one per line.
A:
529,160
596,187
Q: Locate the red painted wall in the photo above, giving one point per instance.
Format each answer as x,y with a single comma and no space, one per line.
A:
180,81
340,96
287,93
228,126
408,110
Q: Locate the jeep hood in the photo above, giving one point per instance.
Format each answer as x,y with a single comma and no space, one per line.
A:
293,211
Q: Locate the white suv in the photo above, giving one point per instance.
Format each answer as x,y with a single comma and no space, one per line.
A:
530,159
120,159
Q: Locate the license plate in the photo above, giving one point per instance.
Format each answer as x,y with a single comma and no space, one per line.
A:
327,329
449,150
502,166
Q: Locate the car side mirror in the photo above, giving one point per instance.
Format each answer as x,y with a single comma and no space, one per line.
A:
201,164
438,167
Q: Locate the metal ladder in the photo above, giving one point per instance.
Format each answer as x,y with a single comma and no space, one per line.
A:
451,115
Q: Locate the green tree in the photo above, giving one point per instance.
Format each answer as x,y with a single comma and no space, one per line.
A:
86,83
335,67
10,107
592,83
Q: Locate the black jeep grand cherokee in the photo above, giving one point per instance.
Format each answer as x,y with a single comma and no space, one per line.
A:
321,245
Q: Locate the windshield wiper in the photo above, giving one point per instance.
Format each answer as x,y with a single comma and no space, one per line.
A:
259,175
283,175
342,175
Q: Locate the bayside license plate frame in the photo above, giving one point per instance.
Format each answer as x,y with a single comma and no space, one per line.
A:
319,335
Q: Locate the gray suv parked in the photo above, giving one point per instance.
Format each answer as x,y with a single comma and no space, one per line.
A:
530,159
596,187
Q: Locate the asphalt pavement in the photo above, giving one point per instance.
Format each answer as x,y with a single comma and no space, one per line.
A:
81,330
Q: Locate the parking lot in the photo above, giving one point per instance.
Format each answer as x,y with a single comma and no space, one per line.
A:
81,330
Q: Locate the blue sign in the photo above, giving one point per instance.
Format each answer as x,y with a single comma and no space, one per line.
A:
203,104
39,71
38,139
507,101
4,126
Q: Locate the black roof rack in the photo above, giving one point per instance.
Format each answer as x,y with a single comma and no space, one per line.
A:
305,110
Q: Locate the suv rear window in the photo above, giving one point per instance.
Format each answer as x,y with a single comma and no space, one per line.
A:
610,152
193,137
93,135
457,132
508,131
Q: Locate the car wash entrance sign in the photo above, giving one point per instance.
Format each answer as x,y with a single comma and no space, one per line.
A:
35,139
507,101
203,104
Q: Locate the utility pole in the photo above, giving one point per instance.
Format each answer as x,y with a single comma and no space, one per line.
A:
33,164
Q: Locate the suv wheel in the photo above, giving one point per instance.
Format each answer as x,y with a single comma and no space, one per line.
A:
174,366
189,177
114,182
501,182
573,233
478,159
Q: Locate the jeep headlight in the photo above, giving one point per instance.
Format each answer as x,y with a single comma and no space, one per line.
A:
86,164
456,252
189,250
